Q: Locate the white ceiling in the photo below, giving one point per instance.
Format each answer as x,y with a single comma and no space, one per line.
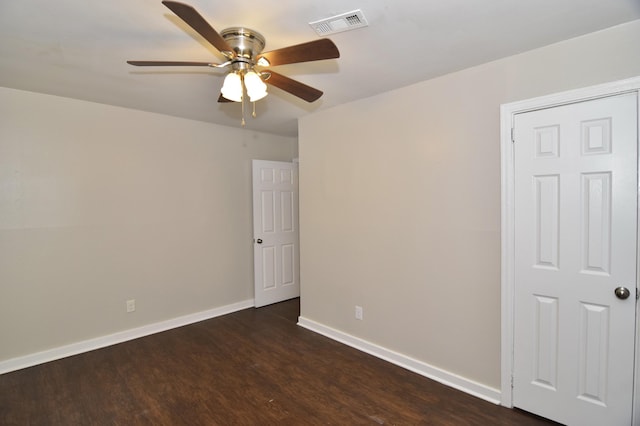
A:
78,48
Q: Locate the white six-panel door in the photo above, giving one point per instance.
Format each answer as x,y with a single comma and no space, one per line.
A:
275,230
575,169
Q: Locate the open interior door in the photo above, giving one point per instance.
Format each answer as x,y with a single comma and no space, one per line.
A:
275,231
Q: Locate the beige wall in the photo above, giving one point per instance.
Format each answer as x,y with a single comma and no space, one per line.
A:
400,203
100,204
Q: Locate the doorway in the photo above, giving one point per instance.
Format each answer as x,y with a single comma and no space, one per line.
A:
276,254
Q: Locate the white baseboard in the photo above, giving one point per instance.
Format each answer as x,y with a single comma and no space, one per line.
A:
450,379
123,336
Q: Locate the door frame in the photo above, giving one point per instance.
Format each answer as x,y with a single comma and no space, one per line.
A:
507,278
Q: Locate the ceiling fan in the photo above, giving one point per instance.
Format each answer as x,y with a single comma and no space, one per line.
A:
242,49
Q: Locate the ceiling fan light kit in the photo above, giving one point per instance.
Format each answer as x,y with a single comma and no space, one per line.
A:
242,47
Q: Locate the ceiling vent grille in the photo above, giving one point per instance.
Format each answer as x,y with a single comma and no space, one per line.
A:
336,24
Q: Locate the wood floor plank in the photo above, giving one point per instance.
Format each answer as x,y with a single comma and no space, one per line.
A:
253,367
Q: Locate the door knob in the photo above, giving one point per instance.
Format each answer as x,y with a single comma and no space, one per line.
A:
622,292
259,241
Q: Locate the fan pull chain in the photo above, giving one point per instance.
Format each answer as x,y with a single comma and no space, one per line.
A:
242,123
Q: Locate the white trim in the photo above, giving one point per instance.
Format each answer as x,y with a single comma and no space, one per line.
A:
635,416
447,378
507,113
122,336
507,256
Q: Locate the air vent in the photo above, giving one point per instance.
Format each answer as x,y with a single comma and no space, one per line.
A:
336,24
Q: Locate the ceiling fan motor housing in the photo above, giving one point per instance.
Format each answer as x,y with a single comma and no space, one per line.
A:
246,43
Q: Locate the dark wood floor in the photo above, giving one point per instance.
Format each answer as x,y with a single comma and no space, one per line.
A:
254,367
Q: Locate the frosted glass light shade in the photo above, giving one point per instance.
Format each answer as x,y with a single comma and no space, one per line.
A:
257,96
256,89
232,87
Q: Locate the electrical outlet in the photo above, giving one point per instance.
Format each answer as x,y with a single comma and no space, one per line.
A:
131,305
359,312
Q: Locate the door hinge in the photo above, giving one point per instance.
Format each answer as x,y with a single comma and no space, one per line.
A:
513,135
637,293
512,382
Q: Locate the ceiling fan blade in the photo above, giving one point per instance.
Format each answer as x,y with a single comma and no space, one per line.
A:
294,87
189,15
170,63
311,51
222,99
